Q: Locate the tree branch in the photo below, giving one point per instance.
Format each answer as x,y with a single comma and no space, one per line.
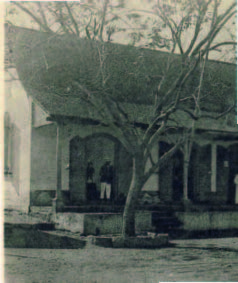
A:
166,20
221,44
104,12
37,20
204,116
198,25
72,18
220,22
42,13
220,115
162,160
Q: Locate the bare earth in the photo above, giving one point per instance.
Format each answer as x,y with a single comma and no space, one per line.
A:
190,261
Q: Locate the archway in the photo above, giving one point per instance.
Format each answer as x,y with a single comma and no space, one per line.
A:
97,148
177,181
233,171
171,175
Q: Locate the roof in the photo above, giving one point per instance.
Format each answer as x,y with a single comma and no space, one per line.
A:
48,64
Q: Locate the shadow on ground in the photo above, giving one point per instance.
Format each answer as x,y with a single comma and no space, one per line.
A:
28,236
212,249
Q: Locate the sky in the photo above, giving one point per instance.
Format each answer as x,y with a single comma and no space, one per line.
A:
23,20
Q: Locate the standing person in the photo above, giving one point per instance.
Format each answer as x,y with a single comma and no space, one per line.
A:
90,185
106,179
90,172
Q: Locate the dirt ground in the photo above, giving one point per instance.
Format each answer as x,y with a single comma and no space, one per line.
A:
189,261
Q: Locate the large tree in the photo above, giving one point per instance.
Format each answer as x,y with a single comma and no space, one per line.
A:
188,28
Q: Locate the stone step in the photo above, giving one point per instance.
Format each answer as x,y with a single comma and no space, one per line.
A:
93,208
138,242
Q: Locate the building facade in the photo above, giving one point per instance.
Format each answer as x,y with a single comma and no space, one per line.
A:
50,140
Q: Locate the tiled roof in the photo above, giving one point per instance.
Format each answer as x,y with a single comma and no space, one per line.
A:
49,64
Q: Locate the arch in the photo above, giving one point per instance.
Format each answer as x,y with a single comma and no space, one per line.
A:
87,132
232,155
171,175
103,135
96,148
177,181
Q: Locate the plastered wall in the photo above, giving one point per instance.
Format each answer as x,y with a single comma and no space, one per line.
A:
18,106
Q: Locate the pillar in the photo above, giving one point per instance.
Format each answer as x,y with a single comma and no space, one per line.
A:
58,201
236,191
214,168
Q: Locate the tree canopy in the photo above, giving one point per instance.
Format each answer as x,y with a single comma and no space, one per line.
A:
191,29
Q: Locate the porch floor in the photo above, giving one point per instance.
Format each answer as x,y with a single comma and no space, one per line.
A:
162,207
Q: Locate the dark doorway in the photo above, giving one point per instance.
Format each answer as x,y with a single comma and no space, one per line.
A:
177,182
96,150
233,170
171,175
77,169
191,173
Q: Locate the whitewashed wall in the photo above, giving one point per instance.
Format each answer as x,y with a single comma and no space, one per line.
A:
18,106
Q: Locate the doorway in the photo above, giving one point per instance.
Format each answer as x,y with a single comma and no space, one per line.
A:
171,175
95,149
233,170
177,182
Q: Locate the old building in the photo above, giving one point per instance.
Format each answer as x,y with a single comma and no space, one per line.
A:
51,134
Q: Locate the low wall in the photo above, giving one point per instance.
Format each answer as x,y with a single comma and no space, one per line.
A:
45,197
100,223
111,223
69,221
212,220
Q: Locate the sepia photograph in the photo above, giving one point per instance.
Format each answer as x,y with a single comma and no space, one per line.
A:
120,141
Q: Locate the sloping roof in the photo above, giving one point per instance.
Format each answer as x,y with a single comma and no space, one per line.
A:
48,64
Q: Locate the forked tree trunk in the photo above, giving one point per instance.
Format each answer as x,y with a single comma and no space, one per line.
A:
128,228
185,172
185,180
187,156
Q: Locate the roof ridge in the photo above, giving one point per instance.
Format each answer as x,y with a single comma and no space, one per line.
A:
7,25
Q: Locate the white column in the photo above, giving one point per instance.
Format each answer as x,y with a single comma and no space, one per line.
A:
58,199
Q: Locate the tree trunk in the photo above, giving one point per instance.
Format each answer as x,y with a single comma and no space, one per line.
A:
187,154
185,180
128,229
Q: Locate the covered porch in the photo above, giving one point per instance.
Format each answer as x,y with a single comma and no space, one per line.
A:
212,169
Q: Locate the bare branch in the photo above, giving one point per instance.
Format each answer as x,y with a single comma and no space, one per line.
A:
205,116
220,115
198,25
93,101
60,19
162,160
104,12
214,16
37,20
72,18
178,35
166,20
42,13
214,47
220,22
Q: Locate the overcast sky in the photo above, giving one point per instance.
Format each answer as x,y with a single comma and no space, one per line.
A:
23,20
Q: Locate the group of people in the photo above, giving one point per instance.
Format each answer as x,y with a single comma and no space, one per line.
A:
106,178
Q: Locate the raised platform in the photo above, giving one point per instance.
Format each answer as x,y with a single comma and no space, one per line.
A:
139,242
99,223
